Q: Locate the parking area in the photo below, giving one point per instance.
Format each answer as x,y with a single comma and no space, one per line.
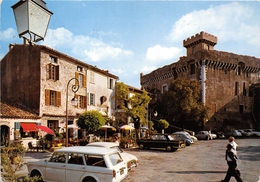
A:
203,161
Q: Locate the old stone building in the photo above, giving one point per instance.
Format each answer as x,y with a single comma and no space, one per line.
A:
229,82
40,78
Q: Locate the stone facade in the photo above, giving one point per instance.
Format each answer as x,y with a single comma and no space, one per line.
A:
40,78
227,80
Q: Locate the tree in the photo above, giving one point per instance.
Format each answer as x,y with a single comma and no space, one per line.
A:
134,107
91,121
182,105
163,124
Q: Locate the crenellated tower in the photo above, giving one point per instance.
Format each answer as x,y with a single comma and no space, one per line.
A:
200,41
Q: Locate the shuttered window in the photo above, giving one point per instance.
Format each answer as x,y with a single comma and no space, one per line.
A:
52,98
52,71
82,79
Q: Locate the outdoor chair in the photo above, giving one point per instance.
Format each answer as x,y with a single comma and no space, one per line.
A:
33,148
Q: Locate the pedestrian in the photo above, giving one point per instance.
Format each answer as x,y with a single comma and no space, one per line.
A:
232,142
231,159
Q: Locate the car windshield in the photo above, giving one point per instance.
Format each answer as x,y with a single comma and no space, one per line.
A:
115,158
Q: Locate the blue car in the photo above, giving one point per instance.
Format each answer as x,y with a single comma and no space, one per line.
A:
183,136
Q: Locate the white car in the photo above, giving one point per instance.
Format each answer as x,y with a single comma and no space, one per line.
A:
132,160
252,132
205,135
81,164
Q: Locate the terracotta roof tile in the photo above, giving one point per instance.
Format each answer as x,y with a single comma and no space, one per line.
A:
15,110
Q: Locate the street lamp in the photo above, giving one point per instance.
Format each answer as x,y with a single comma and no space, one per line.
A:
32,19
74,102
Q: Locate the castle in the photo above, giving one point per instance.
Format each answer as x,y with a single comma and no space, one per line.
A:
230,83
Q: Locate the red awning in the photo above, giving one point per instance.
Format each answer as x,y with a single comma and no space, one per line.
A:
45,129
27,127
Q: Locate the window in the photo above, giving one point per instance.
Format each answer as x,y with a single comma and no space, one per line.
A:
91,99
53,72
58,157
92,77
79,69
74,158
244,89
164,88
194,49
53,69
236,88
53,124
81,101
110,83
192,68
238,70
52,98
53,59
81,78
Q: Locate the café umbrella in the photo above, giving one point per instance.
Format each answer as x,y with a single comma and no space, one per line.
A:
45,129
107,127
126,127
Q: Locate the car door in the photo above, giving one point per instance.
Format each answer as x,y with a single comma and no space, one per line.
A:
56,167
75,167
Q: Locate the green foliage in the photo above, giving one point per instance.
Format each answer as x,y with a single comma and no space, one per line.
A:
91,121
163,124
134,106
12,162
182,105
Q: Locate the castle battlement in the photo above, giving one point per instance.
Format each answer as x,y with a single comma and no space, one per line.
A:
202,36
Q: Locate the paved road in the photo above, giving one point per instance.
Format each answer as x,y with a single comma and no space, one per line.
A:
202,162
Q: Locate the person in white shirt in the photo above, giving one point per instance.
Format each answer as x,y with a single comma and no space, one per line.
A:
233,144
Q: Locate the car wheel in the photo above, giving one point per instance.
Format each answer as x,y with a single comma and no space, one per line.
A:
141,146
37,174
169,148
89,179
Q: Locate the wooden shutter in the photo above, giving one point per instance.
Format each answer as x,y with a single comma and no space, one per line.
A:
58,98
48,71
85,102
77,77
84,81
47,97
57,73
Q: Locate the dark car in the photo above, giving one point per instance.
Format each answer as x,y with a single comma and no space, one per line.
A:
160,140
221,135
183,136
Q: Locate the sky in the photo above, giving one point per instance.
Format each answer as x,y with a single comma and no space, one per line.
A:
132,37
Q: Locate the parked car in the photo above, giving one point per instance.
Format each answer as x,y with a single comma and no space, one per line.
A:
81,164
183,136
206,135
221,135
252,132
244,133
191,136
132,160
234,133
160,140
